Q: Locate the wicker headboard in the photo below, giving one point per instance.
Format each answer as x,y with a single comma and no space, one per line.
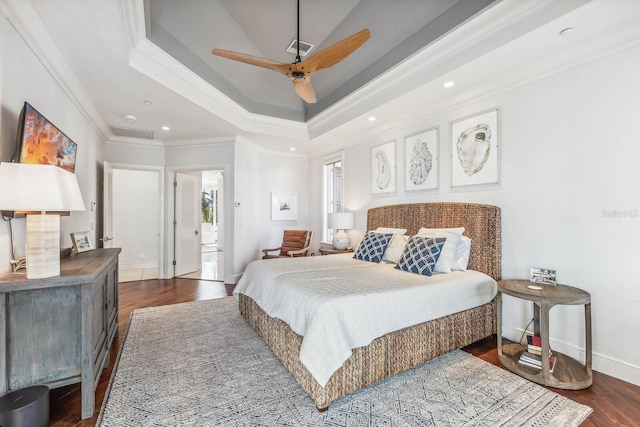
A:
481,222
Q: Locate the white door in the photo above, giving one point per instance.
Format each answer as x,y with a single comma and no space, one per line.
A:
107,200
187,224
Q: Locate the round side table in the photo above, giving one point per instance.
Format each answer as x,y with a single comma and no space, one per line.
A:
568,373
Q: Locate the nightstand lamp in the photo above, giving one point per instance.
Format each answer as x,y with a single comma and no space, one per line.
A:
340,221
40,188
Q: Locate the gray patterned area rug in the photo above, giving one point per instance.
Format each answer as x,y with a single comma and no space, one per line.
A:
201,364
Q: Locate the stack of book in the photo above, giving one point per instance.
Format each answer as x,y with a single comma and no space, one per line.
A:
532,356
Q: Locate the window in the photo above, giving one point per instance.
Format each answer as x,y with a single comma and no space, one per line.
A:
332,174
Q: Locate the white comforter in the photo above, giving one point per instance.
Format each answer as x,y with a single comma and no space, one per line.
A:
337,303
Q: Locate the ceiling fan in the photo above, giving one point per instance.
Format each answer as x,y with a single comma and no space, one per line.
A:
299,71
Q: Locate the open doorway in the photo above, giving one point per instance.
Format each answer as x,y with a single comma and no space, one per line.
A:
211,229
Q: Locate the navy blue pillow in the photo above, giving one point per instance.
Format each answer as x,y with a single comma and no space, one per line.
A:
421,254
372,246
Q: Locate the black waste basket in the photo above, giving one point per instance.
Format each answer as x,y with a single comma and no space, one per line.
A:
27,407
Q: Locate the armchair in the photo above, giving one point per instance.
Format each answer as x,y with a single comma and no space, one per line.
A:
294,243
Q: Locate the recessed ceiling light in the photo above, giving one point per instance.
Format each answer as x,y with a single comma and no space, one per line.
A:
448,84
130,117
372,119
166,128
292,148
148,102
566,31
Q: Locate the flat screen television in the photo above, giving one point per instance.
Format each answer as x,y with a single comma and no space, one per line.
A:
41,142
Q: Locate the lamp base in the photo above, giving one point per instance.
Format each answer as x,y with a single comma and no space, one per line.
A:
43,246
341,240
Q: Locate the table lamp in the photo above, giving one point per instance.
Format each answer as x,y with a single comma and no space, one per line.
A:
340,221
38,189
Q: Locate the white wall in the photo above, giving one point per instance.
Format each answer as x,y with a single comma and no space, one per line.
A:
284,174
136,214
245,208
568,197
24,78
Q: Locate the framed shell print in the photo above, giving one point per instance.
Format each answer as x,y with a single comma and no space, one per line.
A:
475,145
383,168
421,159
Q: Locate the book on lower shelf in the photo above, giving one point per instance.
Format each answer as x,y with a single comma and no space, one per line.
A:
534,345
535,360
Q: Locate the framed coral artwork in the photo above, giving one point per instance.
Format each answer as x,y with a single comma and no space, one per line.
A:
475,149
383,168
421,159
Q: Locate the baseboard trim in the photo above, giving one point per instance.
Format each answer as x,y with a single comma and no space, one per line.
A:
136,265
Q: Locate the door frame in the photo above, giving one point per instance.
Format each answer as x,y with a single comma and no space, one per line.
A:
161,209
228,207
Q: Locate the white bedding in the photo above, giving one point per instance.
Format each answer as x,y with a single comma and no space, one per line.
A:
341,303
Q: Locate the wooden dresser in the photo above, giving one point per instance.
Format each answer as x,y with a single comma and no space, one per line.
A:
57,331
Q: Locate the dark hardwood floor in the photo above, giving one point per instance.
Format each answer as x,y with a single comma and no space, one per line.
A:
614,402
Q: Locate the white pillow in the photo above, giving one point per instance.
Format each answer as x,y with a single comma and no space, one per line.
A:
447,255
390,230
396,245
461,258
396,248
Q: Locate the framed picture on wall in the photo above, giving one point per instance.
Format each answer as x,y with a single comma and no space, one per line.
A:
421,160
475,149
284,206
383,168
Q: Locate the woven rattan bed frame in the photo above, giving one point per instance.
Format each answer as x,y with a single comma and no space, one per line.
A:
400,350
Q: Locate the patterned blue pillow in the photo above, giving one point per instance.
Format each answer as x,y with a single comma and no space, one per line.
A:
421,254
372,246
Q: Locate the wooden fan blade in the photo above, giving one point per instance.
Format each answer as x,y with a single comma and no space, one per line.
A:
252,60
304,89
336,52
283,68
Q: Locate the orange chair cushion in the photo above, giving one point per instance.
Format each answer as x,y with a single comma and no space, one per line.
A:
293,240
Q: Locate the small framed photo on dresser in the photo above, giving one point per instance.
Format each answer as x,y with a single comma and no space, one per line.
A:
82,241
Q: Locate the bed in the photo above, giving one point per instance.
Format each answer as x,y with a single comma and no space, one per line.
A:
402,349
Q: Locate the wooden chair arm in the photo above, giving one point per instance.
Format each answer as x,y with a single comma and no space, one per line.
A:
298,252
266,251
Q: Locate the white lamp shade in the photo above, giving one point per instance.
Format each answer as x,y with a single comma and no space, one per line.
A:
29,187
340,220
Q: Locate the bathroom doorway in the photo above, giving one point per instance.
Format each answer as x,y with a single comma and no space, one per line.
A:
212,223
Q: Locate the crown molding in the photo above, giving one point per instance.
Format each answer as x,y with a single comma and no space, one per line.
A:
158,65
489,30
199,143
128,141
27,21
